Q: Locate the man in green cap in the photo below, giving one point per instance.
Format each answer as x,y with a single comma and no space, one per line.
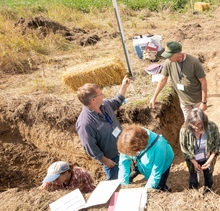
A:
187,76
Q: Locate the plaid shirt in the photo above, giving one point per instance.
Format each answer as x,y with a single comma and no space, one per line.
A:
188,140
80,179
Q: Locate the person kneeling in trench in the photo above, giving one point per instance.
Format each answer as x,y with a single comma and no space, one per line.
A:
62,175
152,153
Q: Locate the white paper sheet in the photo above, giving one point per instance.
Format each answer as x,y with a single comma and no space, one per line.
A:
103,192
75,201
72,201
132,199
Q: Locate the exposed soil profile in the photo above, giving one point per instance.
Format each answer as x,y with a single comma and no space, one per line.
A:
48,124
38,129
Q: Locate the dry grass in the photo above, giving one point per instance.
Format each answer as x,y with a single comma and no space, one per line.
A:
49,51
26,92
184,201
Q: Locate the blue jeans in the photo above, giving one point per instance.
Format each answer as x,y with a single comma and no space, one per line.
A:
112,173
162,184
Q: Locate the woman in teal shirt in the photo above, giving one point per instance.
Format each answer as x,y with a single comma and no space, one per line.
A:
154,159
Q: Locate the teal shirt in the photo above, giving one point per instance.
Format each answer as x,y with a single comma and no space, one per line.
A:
152,164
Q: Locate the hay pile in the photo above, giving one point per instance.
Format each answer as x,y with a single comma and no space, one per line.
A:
201,6
15,199
107,71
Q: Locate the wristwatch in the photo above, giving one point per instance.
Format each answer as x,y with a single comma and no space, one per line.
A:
204,102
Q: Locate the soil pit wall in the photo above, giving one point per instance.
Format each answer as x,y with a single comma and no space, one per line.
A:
31,141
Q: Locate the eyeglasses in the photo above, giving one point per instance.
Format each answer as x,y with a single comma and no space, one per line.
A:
98,95
199,125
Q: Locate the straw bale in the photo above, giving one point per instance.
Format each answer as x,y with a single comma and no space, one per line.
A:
201,6
104,72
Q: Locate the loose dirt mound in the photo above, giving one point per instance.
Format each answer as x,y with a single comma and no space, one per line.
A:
43,126
42,27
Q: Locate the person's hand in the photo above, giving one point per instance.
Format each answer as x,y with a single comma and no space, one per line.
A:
152,102
107,162
197,166
203,106
124,86
125,82
205,166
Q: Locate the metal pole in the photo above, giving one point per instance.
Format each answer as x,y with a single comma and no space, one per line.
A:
122,37
191,5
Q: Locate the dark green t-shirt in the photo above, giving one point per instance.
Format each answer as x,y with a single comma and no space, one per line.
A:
192,71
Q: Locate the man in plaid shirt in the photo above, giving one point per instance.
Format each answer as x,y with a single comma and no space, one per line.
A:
61,176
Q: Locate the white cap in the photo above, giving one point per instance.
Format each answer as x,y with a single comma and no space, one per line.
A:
55,170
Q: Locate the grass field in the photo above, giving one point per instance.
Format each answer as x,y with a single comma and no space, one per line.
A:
67,13
89,4
38,102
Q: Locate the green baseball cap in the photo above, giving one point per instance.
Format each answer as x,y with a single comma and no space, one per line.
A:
171,48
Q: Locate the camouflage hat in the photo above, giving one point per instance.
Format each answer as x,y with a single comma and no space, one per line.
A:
171,48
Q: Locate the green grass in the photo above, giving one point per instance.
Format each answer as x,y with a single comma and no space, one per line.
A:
166,92
86,6
17,50
139,102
